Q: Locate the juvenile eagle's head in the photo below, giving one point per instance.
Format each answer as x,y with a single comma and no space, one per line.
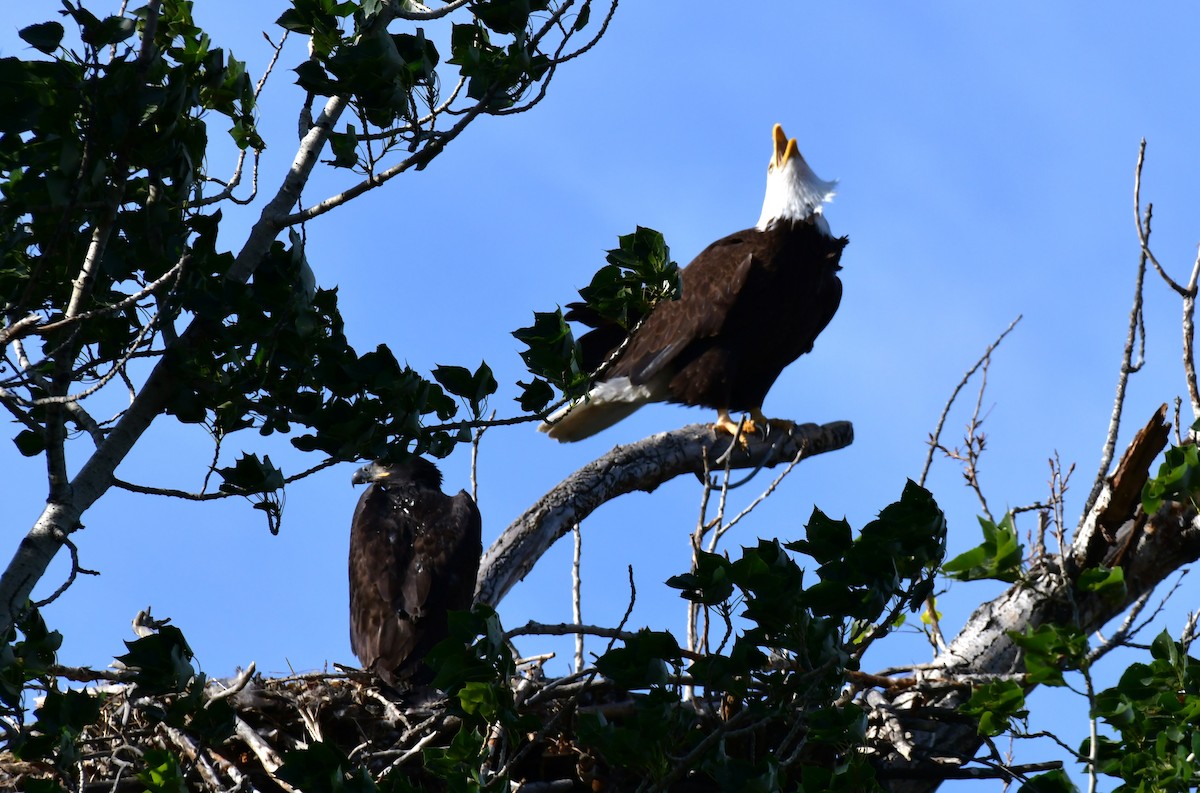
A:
415,470
794,192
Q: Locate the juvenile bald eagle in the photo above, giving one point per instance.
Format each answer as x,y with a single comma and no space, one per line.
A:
749,305
414,554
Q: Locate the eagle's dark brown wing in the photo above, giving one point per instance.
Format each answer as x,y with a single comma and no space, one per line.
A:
750,304
414,555
709,287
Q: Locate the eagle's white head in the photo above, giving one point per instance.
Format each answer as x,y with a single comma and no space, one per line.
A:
794,192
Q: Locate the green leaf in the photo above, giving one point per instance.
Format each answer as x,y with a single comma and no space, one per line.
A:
314,79
162,661
551,352
322,768
994,704
998,557
1055,781
345,147
1106,582
162,773
1049,650
582,18
251,475
44,36
535,395
455,379
643,661
1177,480
30,443
827,540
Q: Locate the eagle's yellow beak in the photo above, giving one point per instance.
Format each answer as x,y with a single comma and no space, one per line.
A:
371,472
785,148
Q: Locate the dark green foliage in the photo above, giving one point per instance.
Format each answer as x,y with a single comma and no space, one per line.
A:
1178,477
552,356
647,660
894,556
25,660
639,273
786,666
161,662
1109,583
995,704
473,387
161,773
1049,650
322,768
998,557
1155,712
496,75
167,689
117,142
59,721
45,36
61,716
1050,782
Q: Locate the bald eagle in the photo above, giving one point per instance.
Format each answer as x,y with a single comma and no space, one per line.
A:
749,305
414,555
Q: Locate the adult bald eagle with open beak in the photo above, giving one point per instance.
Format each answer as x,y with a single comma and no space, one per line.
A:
748,305
414,555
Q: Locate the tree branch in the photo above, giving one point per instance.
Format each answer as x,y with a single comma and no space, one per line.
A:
639,466
1148,548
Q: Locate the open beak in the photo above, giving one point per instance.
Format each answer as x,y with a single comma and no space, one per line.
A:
785,148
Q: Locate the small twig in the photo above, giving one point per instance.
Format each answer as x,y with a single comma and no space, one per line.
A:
576,603
76,569
476,437
262,750
189,496
1136,332
722,529
237,685
934,438
1188,635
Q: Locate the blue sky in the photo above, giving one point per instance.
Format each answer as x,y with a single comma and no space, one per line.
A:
985,155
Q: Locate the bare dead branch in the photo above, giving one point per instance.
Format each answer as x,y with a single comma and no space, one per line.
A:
1136,333
76,570
421,12
577,594
935,437
1189,337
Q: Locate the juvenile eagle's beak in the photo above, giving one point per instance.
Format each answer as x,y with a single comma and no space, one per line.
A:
371,472
785,148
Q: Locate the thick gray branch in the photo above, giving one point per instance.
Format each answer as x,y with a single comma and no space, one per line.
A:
639,466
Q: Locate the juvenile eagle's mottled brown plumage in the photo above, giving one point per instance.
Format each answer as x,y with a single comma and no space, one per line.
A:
414,555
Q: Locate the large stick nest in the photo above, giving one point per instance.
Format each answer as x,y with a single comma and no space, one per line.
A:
378,731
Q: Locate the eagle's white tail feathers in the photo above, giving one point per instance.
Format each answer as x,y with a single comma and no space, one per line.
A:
605,405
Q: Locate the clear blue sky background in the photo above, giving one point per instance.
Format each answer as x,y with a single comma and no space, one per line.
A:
985,154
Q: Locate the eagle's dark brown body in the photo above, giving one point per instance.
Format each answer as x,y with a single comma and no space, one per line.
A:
750,304
414,555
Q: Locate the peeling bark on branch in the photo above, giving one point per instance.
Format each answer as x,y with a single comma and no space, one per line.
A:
639,466
1117,533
